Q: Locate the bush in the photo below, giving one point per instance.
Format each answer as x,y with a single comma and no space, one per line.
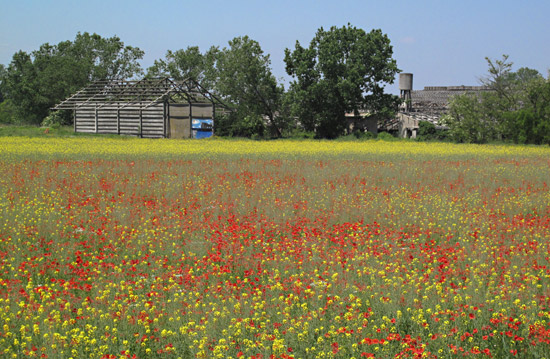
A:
233,125
301,134
426,130
359,135
385,136
56,119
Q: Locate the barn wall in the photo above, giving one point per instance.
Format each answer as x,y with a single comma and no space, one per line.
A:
180,122
150,122
181,115
121,120
202,110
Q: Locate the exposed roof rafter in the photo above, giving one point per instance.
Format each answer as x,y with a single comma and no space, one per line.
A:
141,93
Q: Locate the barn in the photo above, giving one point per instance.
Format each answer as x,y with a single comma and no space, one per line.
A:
151,108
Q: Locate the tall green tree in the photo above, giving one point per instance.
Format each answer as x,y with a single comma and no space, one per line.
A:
469,121
516,108
19,86
343,70
2,80
7,110
180,65
531,124
35,82
241,74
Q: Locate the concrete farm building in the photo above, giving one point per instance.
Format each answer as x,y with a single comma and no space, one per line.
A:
428,104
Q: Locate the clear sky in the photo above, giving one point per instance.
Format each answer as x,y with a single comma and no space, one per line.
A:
442,42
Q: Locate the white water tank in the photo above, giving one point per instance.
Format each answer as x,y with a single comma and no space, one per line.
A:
405,82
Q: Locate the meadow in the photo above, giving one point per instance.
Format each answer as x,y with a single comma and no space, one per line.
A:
129,248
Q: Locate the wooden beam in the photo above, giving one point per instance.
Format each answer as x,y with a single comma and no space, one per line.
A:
190,119
164,118
169,134
213,117
143,93
118,121
140,122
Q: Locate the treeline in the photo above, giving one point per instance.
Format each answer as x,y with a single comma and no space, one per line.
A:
343,70
32,83
516,109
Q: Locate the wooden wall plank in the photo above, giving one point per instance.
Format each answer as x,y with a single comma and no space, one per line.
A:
113,118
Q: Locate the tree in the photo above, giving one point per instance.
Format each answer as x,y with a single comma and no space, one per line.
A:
241,75
343,71
515,109
2,80
467,120
180,65
7,111
19,85
498,79
37,81
427,131
532,123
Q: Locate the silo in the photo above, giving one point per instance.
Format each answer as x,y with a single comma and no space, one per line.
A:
405,88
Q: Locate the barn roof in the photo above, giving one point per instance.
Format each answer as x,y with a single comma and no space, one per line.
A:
141,93
441,95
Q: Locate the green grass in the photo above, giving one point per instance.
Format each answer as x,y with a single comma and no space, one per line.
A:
68,131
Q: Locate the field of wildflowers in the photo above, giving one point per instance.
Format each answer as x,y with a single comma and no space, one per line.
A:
128,248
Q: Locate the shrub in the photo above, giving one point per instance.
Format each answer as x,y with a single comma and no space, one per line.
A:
56,119
426,130
301,134
385,136
233,125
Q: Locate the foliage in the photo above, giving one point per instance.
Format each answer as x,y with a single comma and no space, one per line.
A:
183,65
467,120
232,125
516,109
242,76
538,130
343,70
427,131
385,136
359,134
509,88
2,80
8,112
531,124
299,134
35,82
57,119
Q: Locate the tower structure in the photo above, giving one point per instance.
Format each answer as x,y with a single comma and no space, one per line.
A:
405,88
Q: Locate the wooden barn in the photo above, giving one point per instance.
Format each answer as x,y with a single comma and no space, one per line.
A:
152,108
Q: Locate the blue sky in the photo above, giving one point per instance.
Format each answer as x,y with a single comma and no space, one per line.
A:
440,42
